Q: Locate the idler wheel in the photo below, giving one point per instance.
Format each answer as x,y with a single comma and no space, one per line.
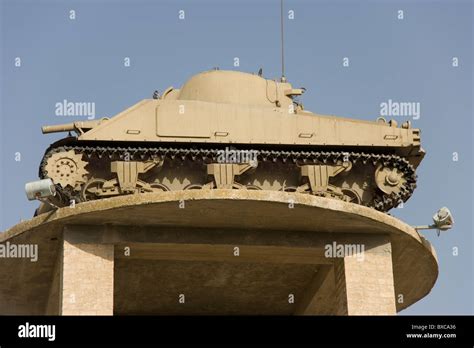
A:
389,180
392,179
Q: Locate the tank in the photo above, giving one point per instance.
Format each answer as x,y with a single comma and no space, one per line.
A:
233,130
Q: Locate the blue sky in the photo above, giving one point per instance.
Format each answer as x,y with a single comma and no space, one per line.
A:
407,59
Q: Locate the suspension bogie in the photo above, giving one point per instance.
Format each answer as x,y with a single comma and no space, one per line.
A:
374,180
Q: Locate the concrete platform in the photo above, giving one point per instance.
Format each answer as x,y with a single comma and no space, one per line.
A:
226,251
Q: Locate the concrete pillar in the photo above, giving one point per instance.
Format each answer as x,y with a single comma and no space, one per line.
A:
53,305
87,276
364,285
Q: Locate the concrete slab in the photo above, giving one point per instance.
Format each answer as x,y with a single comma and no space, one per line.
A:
184,241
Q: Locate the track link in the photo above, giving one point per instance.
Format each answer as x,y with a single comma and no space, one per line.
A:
381,201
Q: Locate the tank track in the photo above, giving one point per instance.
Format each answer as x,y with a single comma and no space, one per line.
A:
381,201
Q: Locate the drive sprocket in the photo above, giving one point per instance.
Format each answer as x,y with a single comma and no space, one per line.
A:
66,169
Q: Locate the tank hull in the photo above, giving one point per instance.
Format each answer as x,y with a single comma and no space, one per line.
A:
230,130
